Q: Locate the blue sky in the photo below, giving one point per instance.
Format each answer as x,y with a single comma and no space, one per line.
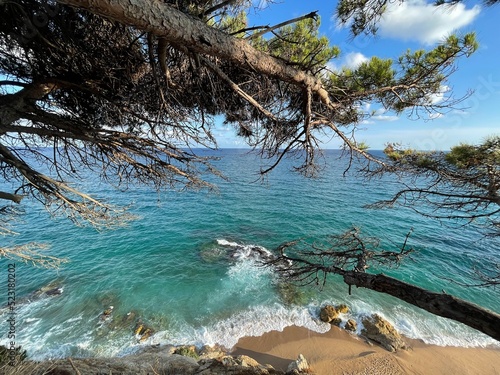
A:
416,24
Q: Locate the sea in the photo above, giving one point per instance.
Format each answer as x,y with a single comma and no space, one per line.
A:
189,269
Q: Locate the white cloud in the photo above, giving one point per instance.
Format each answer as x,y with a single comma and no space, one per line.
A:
260,4
352,61
435,115
379,114
386,118
424,22
439,96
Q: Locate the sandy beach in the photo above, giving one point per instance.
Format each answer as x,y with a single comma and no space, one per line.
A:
338,352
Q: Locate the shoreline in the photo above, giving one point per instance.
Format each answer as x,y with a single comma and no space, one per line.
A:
338,352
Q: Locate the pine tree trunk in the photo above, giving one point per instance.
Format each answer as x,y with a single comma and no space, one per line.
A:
440,304
187,32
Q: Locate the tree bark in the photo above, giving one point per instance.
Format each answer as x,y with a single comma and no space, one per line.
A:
184,31
441,304
14,105
16,198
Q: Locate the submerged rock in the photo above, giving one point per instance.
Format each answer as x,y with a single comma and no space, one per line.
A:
54,292
252,252
290,294
382,332
213,253
52,289
106,314
123,322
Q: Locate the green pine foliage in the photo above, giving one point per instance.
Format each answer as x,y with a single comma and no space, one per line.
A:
301,45
469,156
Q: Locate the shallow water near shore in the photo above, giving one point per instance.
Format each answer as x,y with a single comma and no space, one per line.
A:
189,266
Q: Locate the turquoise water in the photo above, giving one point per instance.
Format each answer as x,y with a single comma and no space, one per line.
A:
186,269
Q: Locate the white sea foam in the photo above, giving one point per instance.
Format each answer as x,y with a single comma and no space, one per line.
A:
410,321
31,320
223,242
252,322
243,277
417,324
437,330
242,251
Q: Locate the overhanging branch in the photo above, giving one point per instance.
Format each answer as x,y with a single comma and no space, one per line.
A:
16,198
440,304
184,31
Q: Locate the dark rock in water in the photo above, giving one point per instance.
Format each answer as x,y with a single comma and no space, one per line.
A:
381,331
125,322
108,311
53,289
213,254
129,318
262,253
252,252
106,314
54,292
291,294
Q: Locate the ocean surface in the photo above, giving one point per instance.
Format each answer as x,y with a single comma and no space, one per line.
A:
187,267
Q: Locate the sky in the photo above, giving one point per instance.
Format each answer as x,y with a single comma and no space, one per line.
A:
414,24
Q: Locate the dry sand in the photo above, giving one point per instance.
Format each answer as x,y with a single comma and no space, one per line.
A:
339,352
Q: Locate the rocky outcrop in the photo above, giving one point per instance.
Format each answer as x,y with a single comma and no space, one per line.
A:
342,309
142,331
331,314
106,314
187,351
299,366
212,352
377,329
351,325
164,360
